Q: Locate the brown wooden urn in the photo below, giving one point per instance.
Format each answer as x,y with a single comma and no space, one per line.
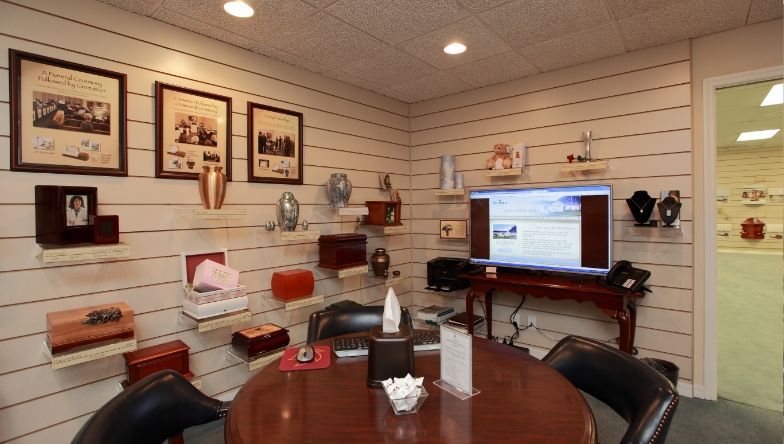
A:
751,228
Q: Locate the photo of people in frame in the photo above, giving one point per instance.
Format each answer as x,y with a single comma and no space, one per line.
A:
76,212
62,112
273,143
196,130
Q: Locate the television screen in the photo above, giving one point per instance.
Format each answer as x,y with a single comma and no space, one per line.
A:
566,229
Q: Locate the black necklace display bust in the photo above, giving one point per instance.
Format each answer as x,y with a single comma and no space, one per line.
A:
641,205
669,209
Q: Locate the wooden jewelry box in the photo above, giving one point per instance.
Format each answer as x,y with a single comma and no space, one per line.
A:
338,251
292,284
188,263
88,325
384,213
254,341
171,355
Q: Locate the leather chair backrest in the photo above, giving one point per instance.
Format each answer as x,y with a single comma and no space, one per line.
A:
150,411
637,392
330,323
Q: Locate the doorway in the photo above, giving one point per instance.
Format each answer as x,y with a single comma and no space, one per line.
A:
749,245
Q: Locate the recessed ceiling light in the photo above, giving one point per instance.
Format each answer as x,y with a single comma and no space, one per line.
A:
238,8
455,48
775,95
757,135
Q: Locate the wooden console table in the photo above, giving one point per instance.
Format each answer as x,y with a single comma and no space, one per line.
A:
617,305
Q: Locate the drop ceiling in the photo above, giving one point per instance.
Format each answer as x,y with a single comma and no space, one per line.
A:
395,47
738,110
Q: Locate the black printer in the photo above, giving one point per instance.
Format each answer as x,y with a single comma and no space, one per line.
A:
442,274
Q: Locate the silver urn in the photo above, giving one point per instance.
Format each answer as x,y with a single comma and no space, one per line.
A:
338,190
287,210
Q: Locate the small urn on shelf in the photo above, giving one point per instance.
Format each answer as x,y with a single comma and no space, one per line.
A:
338,190
380,262
212,187
752,228
287,211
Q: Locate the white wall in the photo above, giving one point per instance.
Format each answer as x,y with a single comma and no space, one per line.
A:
346,129
639,108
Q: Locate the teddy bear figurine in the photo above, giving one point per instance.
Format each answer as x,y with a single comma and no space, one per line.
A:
502,157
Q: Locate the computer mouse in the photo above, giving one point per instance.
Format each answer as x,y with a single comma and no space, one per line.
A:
305,354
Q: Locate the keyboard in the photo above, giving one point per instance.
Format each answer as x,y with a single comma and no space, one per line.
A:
358,346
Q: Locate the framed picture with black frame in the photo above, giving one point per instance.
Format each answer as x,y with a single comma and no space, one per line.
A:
274,145
64,214
193,131
66,117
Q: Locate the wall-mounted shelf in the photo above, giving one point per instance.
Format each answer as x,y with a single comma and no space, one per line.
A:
504,172
653,231
215,322
396,229
296,304
450,192
308,235
353,211
220,214
257,362
89,353
53,254
351,271
394,280
585,167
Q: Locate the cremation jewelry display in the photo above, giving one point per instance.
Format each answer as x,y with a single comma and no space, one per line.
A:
669,209
641,205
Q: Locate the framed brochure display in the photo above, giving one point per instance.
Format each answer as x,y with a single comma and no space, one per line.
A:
193,129
274,145
66,117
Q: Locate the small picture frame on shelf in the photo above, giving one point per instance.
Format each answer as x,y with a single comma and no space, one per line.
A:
754,195
64,214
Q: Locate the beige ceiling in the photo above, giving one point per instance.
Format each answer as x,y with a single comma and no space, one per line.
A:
395,47
738,110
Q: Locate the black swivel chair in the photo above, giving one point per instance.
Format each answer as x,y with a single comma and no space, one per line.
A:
152,410
637,392
335,322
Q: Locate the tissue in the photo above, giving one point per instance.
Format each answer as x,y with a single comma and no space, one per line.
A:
391,320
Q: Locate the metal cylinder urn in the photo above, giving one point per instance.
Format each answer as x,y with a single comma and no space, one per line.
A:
380,262
212,187
447,171
287,210
338,190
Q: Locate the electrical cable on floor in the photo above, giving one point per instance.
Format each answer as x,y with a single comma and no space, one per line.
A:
514,323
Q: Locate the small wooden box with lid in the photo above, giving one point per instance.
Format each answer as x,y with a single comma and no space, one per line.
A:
339,251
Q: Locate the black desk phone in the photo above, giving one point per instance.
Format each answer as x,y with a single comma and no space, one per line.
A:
625,277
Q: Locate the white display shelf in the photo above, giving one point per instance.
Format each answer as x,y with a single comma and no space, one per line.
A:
353,271
216,322
300,235
89,353
504,172
353,211
592,166
396,229
450,192
394,280
258,361
296,304
653,231
54,254
220,214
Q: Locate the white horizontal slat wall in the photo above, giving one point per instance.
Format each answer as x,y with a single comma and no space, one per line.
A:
346,129
639,108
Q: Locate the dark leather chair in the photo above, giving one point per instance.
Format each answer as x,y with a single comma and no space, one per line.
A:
637,392
335,322
152,410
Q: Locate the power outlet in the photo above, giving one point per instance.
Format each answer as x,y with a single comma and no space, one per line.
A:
531,321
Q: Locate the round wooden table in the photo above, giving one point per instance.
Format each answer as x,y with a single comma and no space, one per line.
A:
521,400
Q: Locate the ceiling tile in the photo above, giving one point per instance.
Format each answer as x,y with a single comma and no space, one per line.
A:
762,10
526,22
437,85
396,95
326,40
481,43
501,68
351,80
395,21
388,67
199,27
591,44
271,18
477,6
681,21
291,59
321,4
621,9
143,7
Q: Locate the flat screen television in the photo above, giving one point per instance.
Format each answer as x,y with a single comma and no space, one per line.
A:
565,229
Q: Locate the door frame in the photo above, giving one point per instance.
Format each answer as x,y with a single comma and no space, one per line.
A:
709,87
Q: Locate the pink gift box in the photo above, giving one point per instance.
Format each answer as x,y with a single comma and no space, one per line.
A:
210,276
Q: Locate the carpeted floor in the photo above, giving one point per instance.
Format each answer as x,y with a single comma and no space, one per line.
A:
695,421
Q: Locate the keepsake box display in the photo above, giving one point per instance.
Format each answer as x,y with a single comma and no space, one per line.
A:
172,355
209,309
384,213
211,276
189,261
292,284
88,325
255,341
338,251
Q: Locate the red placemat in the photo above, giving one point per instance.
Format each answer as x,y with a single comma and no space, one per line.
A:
289,360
